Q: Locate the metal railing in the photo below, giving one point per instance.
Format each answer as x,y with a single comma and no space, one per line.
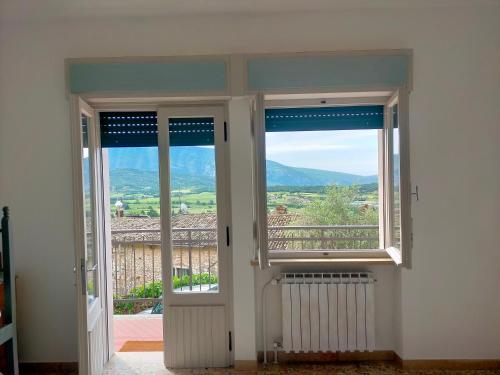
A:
136,259
323,237
136,253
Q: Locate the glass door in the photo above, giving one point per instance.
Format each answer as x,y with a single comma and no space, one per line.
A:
89,240
195,234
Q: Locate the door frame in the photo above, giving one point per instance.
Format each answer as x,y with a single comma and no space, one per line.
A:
223,199
86,319
103,231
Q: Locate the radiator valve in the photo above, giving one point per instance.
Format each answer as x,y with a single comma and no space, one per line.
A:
276,346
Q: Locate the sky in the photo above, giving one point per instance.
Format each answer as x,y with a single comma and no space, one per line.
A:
349,151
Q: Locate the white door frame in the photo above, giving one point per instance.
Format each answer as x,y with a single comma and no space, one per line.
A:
223,296
88,315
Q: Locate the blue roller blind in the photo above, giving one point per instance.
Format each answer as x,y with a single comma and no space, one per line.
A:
140,129
324,118
128,129
191,131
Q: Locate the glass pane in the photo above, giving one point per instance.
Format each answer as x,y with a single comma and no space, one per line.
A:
88,193
193,205
396,229
322,190
135,229
134,192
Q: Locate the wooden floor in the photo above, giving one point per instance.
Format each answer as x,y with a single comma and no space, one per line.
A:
152,363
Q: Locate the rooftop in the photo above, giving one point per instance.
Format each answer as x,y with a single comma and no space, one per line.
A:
148,228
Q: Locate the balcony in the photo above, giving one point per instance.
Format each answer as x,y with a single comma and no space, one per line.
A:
136,253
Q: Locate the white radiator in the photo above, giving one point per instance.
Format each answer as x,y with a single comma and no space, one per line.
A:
328,312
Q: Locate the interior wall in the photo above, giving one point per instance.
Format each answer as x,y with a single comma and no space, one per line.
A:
448,301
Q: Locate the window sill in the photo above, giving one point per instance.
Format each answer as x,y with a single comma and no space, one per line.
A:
375,256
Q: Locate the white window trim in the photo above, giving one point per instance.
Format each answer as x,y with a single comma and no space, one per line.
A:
386,252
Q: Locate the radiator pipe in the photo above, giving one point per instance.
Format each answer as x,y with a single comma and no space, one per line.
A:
276,345
274,280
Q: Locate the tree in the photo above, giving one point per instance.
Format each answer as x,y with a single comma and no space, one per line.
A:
152,212
338,208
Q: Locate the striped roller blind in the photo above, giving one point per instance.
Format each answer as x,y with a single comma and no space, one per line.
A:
140,129
324,118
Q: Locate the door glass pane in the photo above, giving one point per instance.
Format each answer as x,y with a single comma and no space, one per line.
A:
88,195
396,230
193,208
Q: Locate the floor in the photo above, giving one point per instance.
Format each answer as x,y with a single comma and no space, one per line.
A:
152,363
137,328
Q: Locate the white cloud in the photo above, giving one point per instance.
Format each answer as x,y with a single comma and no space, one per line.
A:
343,151
283,148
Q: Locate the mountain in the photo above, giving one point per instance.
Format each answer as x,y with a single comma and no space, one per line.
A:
280,174
133,181
140,158
136,170
130,181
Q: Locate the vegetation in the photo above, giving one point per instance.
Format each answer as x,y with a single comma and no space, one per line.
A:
339,206
155,290
295,198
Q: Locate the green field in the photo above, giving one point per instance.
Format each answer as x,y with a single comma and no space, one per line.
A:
295,199
137,204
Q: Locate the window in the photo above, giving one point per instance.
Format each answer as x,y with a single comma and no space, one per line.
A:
328,181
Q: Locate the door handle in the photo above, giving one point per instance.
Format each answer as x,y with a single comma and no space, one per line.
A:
83,276
92,269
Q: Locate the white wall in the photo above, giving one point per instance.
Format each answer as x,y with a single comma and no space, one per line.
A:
448,302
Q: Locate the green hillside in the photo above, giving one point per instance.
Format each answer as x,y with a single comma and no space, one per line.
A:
135,170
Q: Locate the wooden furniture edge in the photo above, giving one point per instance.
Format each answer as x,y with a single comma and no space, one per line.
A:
48,368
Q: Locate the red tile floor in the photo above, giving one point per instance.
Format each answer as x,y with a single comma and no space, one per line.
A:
137,328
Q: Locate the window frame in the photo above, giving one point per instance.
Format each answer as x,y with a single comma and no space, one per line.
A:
218,113
386,252
399,254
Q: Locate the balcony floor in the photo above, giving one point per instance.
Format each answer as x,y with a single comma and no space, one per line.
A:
138,328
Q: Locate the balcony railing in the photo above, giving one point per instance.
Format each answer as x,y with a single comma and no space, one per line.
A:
136,253
136,256
322,237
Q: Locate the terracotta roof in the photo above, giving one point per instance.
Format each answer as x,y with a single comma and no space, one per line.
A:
198,222
188,221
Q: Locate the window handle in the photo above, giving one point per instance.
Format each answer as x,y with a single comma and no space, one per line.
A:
415,193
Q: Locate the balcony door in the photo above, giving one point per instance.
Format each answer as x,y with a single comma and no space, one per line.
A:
89,240
194,196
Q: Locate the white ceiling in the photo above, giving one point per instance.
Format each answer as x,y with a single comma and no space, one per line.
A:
19,10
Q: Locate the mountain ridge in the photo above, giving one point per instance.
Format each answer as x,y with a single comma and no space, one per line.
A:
194,167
